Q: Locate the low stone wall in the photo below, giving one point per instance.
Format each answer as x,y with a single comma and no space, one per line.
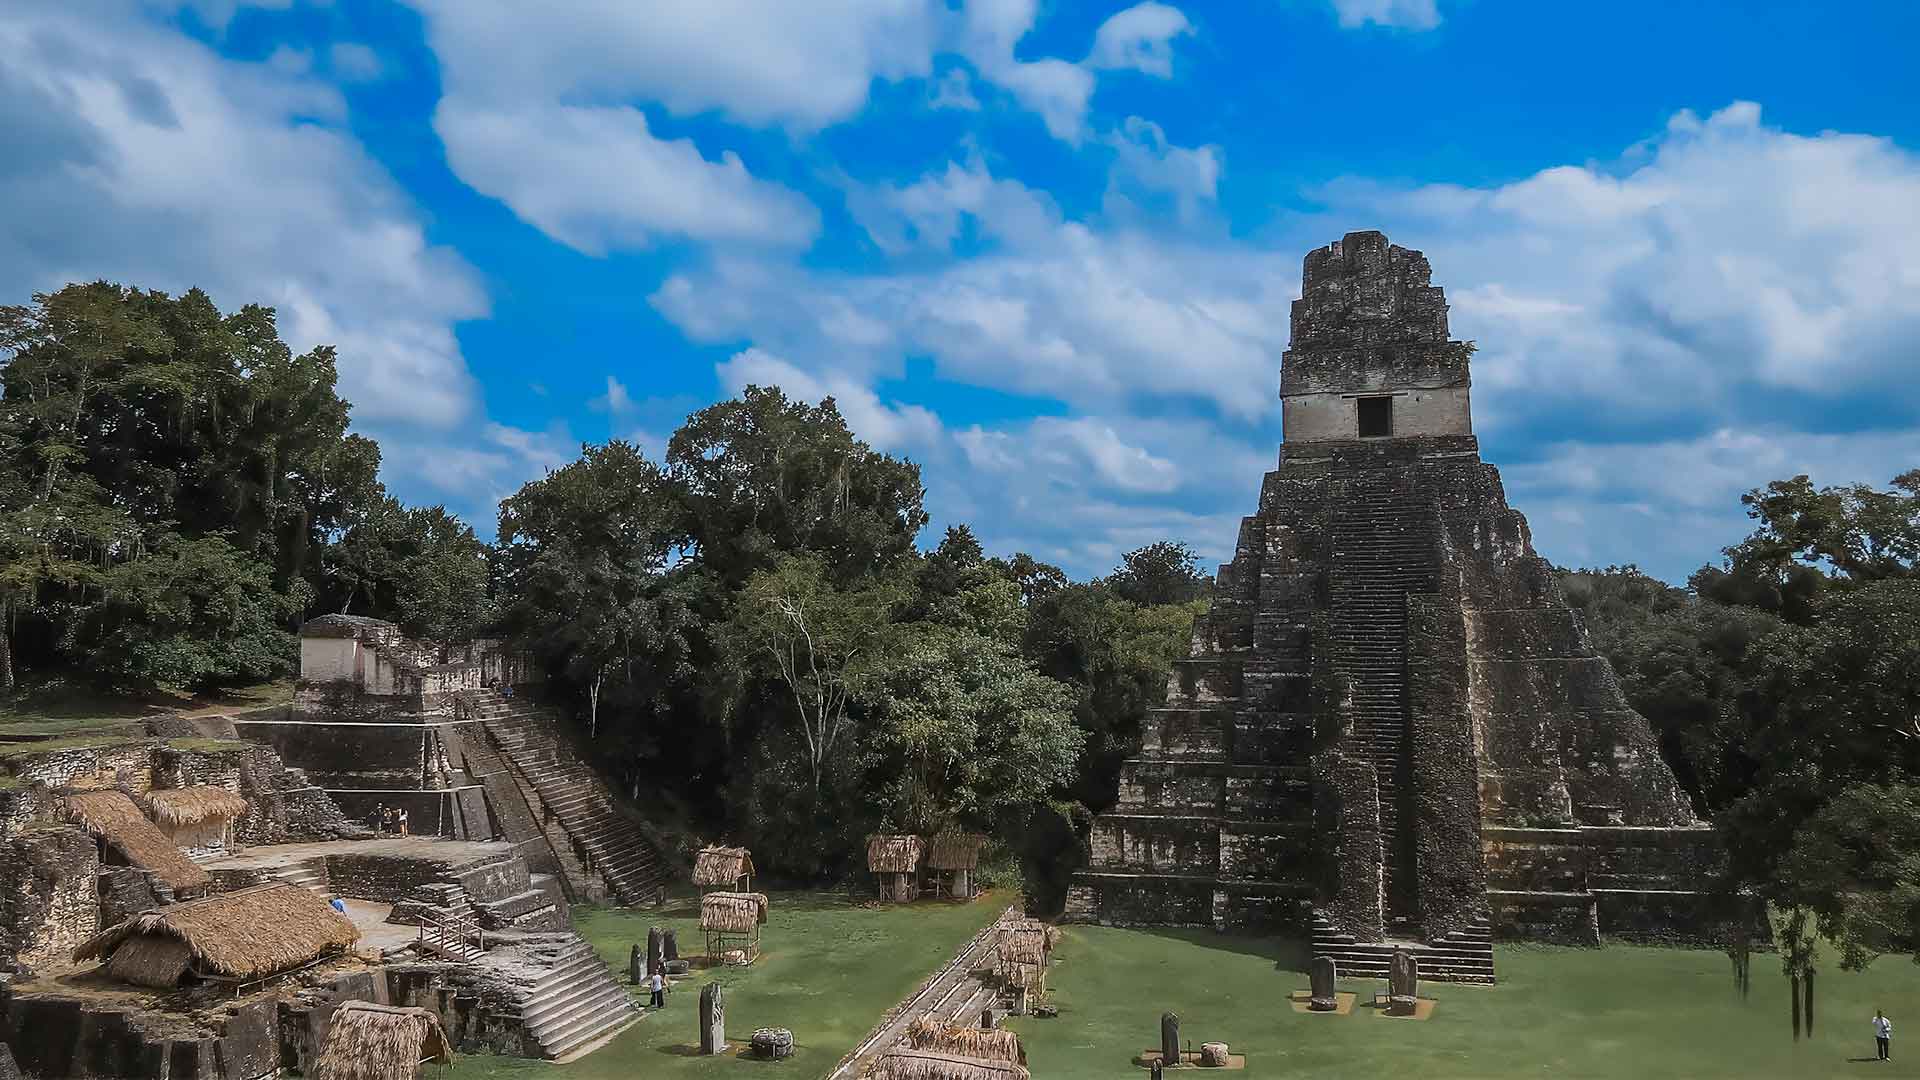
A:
391,878
128,764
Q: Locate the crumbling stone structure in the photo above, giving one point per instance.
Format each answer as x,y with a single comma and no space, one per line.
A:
1392,729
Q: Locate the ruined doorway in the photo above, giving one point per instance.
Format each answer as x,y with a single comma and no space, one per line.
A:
1376,417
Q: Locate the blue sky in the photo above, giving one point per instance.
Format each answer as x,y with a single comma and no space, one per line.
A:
1043,248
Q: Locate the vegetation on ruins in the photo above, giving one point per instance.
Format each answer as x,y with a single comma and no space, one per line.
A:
178,489
755,644
1785,685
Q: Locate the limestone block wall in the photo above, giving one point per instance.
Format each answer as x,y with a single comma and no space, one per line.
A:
128,764
1324,417
49,895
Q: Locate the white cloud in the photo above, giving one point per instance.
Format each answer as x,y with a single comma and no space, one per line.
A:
954,90
1671,505
802,64
355,62
1140,38
1404,14
888,426
1055,89
1144,157
595,178
932,211
138,154
1059,309
1724,263
616,400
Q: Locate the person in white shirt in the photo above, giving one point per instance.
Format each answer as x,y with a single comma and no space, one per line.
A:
1883,1033
658,984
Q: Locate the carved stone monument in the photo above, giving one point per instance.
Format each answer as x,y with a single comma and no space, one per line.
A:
1169,1038
1403,982
1323,973
669,946
654,944
1214,1055
1388,676
636,967
713,1019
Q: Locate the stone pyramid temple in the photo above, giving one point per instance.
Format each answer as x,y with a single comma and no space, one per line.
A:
1392,731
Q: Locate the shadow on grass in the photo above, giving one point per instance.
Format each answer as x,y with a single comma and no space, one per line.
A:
1287,954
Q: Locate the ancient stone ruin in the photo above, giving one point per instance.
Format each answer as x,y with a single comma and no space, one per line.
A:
1392,729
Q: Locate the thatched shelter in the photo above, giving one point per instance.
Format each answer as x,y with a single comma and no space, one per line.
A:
732,923
233,937
1020,961
953,857
895,861
195,817
381,1042
729,868
905,1063
998,1044
126,834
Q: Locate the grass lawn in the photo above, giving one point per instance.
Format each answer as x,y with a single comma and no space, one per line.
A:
827,970
1620,1011
55,715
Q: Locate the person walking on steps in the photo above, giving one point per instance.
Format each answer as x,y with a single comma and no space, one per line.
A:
658,983
1883,1034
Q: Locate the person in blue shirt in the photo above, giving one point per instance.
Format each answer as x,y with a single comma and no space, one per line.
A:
338,905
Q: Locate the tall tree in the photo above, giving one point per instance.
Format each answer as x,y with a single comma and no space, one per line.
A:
583,554
819,640
761,476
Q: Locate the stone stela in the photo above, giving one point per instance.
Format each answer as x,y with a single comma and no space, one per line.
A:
1387,639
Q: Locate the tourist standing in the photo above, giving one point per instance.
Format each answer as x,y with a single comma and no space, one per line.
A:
658,983
403,823
1883,1034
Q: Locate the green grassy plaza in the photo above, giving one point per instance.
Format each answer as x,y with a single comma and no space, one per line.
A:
828,969
831,968
1624,1011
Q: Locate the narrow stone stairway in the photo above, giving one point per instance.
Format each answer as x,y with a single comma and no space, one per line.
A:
576,1004
1383,550
609,845
1462,956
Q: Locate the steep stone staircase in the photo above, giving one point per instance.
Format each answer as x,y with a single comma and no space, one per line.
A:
1462,956
576,1002
1383,550
606,844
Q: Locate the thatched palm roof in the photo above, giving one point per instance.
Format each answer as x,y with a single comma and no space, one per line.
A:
381,1042
1027,941
247,934
150,960
113,817
904,1063
955,851
180,808
722,866
732,912
893,854
999,1044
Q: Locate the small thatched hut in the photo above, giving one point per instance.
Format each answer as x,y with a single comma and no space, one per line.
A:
904,1063
195,817
728,868
732,923
997,1044
895,861
233,937
129,837
953,857
381,1042
1025,948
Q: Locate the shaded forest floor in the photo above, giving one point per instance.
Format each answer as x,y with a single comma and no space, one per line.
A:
1622,1011
828,970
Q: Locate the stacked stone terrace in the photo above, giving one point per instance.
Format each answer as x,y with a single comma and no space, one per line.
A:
1392,730
380,720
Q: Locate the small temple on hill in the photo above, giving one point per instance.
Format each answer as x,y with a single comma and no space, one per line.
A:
1392,730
